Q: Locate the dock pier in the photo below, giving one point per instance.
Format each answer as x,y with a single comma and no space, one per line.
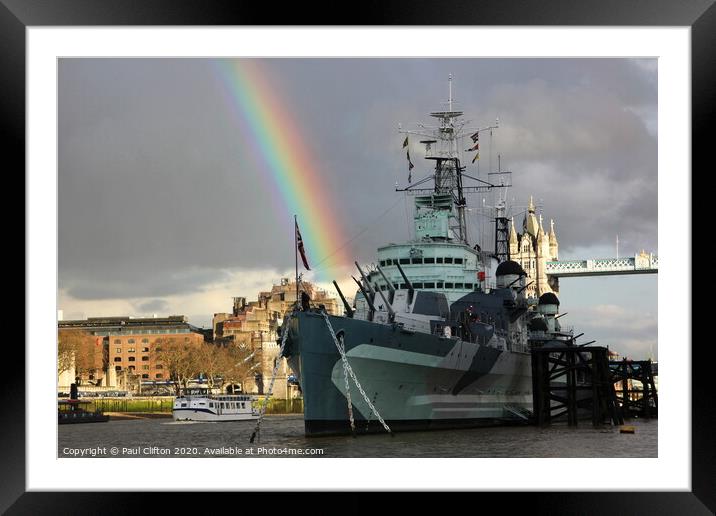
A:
578,382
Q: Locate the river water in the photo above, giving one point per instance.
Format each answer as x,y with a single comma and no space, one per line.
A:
283,436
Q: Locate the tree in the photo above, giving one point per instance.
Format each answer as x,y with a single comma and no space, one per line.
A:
85,350
239,362
223,365
180,360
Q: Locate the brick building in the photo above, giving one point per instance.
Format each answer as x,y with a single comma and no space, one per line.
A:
129,345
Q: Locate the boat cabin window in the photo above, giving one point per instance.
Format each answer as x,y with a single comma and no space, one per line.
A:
395,285
458,285
458,260
242,405
448,285
429,285
428,260
448,260
416,260
439,284
211,405
468,285
389,262
438,260
403,286
404,261
417,285
382,263
183,404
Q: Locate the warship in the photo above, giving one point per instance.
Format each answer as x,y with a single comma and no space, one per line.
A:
440,330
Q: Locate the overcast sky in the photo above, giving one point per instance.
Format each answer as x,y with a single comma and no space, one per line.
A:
165,208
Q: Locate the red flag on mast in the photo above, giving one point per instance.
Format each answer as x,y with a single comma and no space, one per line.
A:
301,250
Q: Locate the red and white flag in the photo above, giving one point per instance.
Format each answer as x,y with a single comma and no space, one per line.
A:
301,250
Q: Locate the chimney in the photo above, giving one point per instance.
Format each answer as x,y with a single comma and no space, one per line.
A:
239,305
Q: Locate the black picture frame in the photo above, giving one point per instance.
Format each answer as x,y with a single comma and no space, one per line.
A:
700,15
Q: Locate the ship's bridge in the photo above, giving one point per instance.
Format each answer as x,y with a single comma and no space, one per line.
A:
451,268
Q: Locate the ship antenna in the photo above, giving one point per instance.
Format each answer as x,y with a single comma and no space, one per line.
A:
450,92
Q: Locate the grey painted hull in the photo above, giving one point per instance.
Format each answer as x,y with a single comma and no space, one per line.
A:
416,381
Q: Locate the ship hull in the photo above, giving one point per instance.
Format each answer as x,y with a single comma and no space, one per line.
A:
416,381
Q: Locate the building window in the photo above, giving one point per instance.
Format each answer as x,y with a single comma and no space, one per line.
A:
145,376
117,341
119,350
159,375
145,350
159,366
145,341
118,368
145,359
145,367
131,341
132,368
158,349
131,350
131,359
117,359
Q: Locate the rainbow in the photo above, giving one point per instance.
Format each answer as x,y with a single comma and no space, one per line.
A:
291,171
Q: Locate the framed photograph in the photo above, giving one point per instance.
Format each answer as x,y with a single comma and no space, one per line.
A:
340,248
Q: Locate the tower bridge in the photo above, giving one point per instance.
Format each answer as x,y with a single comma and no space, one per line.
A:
537,251
642,263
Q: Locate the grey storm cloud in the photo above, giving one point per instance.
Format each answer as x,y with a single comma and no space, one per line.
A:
138,284
153,305
160,188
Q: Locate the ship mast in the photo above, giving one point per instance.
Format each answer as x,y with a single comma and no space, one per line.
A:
442,145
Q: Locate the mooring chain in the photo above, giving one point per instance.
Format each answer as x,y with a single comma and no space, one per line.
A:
348,388
273,380
348,367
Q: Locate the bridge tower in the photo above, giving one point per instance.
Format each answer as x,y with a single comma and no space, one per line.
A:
532,249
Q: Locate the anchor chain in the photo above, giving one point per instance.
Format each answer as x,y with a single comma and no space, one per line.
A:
347,367
269,393
348,389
